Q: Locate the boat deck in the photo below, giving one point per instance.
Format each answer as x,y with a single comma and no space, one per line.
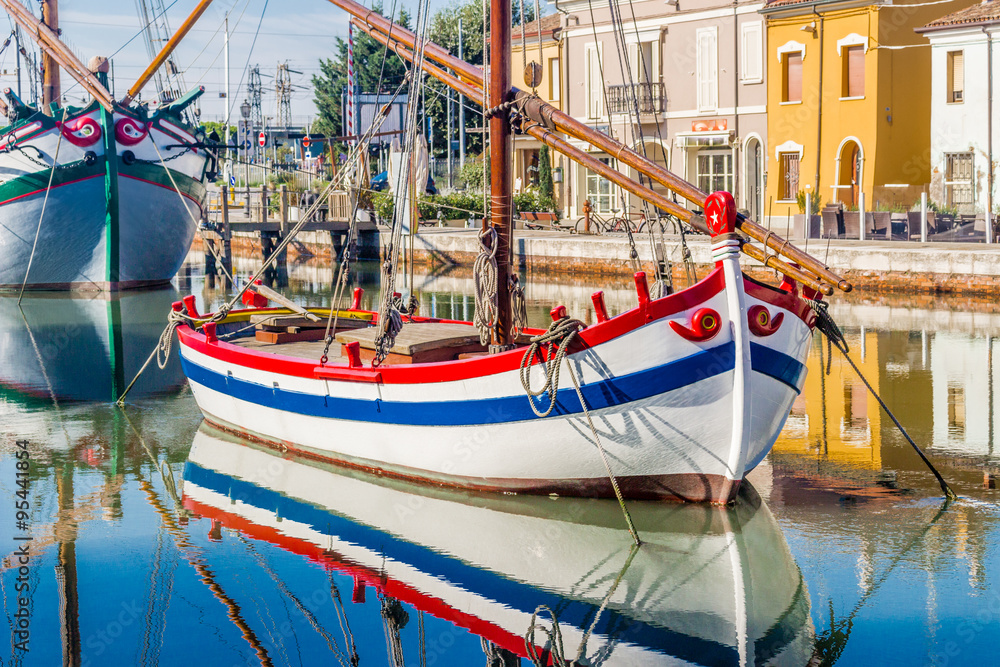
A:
417,342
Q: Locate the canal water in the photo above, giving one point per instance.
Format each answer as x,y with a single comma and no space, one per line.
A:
155,539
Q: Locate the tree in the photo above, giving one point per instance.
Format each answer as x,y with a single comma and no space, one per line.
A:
545,186
375,70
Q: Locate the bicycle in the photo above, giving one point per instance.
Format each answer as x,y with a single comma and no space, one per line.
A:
600,225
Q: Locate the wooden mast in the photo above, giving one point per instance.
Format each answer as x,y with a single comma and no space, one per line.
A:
51,91
166,51
501,185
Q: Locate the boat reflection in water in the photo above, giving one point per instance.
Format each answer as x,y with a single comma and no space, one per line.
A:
76,347
709,585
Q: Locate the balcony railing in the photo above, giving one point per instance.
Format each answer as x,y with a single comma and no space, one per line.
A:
650,97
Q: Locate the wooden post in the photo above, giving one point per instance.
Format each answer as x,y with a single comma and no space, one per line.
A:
263,203
500,171
587,208
283,204
51,91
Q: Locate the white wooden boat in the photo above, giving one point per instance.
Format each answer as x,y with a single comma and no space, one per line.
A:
132,233
709,586
687,392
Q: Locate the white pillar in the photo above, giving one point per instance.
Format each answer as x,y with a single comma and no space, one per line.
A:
923,217
861,212
808,224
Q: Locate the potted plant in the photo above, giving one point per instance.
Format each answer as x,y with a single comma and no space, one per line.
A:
810,229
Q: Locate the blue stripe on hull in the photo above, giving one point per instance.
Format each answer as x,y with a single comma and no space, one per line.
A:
605,394
491,585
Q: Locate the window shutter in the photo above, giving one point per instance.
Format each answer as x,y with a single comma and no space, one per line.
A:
958,76
707,71
751,52
635,62
855,71
794,77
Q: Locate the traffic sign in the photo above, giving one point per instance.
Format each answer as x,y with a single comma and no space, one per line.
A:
247,144
262,139
305,141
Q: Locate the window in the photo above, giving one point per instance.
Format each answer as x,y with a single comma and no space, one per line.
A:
644,61
708,69
595,82
791,80
599,190
958,179
956,76
715,170
554,79
853,72
789,184
751,53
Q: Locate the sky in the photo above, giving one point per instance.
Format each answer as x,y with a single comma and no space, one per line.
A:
299,32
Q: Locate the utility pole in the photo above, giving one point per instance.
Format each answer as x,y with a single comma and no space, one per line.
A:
17,43
461,108
254,90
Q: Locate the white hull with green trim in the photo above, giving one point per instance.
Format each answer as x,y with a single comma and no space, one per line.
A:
100,225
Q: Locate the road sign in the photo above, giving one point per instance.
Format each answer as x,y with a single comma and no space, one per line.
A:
305,141
262,139
232,181
247,144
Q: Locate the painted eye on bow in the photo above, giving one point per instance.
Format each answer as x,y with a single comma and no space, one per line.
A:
129,131
760,321
704,324
83,131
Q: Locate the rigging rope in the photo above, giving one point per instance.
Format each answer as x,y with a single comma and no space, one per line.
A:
560,335
484,282
834,336
45,201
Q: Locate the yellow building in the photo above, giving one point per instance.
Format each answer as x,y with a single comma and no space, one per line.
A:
849,102
541,43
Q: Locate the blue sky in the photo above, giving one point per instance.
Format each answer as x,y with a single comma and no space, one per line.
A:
297,31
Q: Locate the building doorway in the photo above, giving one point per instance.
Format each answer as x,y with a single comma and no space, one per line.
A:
850,174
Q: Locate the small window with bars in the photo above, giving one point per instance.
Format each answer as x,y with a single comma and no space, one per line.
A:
958,180
789,185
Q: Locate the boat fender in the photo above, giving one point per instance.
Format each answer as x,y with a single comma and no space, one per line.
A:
760,321
128,157
704,325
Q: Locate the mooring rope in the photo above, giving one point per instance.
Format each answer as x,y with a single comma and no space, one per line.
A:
560,335
829,328
41,216
484,282
162,350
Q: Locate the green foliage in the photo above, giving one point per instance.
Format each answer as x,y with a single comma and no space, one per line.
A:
472,174
374,71
941,208
545,186
455,206
532,200
215,126
815,202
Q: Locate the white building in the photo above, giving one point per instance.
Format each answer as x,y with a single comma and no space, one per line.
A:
964,56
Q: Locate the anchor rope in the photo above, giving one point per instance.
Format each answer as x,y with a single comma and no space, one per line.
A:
560,335
41,216
829,328
484,283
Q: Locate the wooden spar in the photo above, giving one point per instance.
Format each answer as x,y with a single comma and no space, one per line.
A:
53,47
560,145
501,176
544,113
51,90
166,51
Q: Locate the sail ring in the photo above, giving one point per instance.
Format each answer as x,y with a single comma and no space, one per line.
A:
82,131
129,131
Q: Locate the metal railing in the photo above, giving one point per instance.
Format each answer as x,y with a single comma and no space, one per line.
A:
650,97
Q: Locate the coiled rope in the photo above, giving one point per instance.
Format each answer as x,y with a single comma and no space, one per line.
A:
834,336
560,335
484,282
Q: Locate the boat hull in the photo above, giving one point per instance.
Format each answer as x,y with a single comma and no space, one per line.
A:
663,416
708,586
99,226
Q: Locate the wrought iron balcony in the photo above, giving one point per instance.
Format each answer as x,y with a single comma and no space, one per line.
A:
650,97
